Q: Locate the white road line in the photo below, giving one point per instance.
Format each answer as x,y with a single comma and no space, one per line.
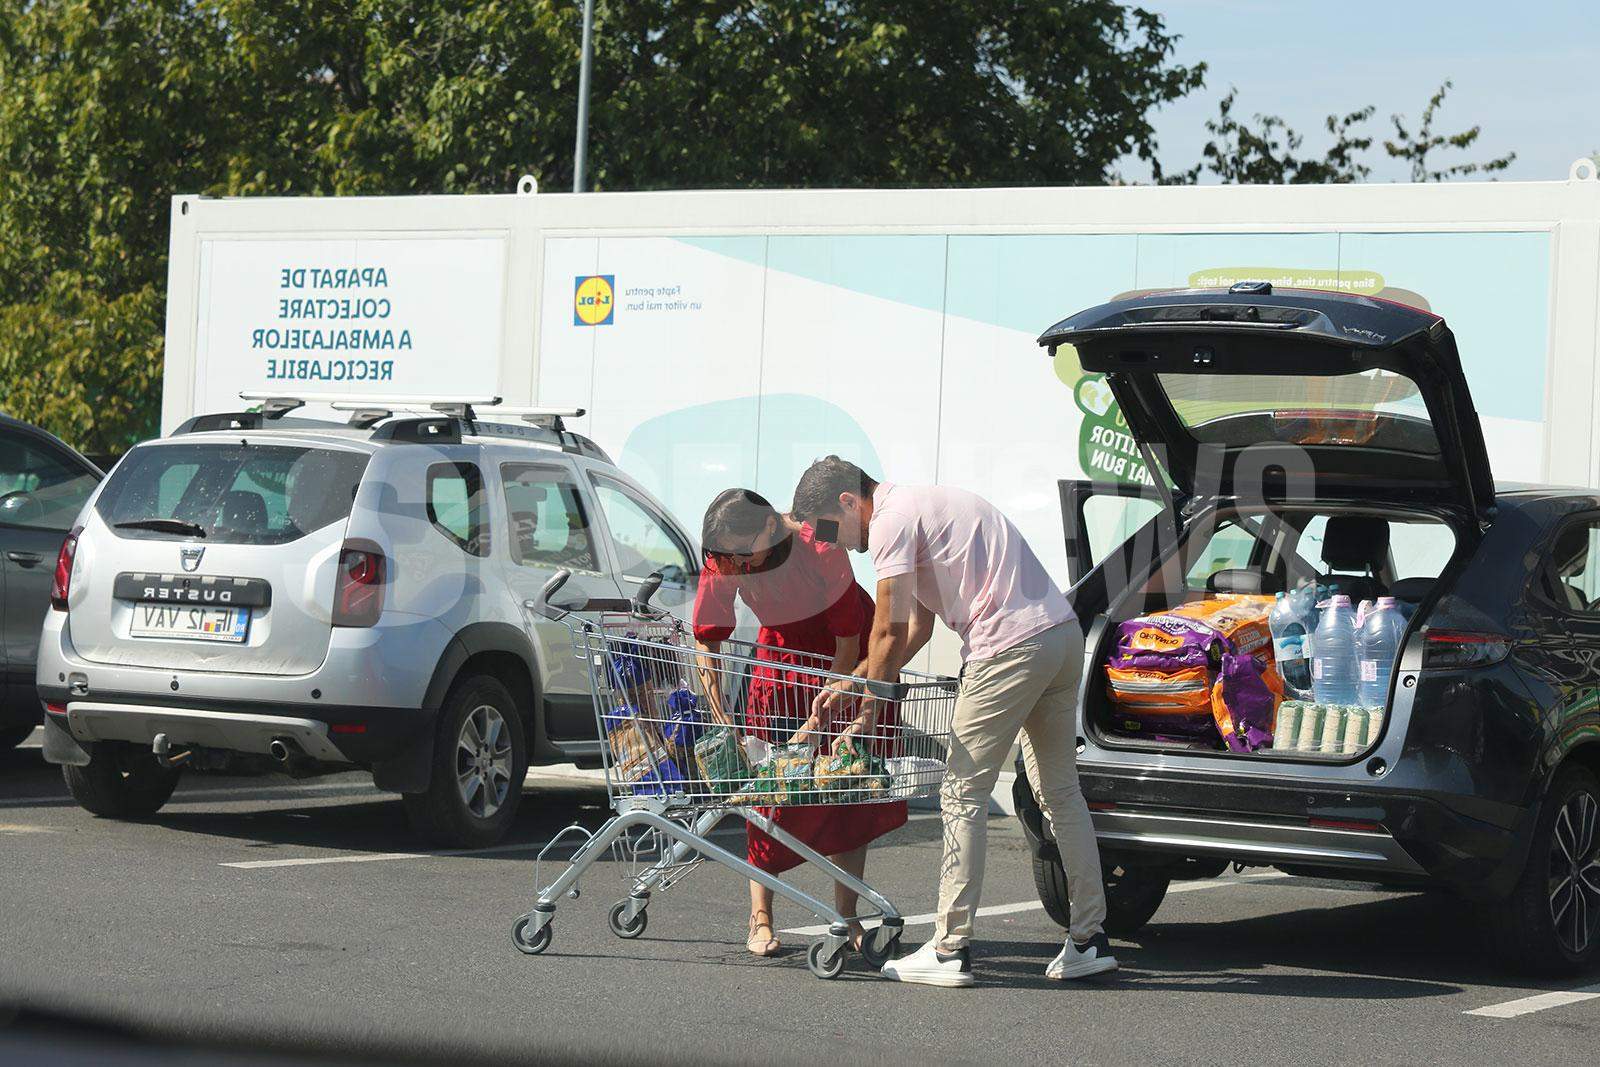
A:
269,791
927,918
283,790
376,857
379,857
1539,1002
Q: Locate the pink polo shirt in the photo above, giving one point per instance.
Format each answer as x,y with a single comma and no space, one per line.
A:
973,569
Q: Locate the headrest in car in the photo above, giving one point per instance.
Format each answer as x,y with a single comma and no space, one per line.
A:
1243,580
243,510
1412,590
1355,543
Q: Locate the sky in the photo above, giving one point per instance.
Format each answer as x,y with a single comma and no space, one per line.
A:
1528,72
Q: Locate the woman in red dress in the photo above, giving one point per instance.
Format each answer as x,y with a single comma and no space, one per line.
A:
812,613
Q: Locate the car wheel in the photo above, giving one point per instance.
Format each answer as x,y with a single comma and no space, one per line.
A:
479,762
1132,895
1551,922
120,782
12,736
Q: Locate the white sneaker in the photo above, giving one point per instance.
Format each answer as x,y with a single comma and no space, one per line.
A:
929,966
1081,961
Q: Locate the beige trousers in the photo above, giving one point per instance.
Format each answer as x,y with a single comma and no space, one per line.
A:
1030,687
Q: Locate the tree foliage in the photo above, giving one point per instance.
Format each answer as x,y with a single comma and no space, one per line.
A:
1416,147
1264,150
110,107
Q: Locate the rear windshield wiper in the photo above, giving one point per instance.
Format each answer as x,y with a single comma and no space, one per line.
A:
177,526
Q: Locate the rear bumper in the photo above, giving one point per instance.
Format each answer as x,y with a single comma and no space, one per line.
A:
232,731
1385,835
359,735
1255,840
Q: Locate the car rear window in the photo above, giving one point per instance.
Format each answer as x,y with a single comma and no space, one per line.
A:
1375,409
236,494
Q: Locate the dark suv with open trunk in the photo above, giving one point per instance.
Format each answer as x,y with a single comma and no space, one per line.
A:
1296,437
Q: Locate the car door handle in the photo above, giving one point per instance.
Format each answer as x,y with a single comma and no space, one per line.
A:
24,559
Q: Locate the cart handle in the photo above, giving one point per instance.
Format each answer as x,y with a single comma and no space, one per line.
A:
641,599
542,604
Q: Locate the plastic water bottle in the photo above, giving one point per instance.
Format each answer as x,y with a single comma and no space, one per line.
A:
1377,645
1293,616
1333,659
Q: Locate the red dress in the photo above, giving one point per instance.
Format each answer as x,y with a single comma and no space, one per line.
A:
804,603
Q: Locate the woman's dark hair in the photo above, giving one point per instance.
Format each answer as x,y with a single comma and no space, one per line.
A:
823,481
733,518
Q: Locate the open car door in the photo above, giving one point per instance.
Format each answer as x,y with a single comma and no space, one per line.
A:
1297,394
1113,532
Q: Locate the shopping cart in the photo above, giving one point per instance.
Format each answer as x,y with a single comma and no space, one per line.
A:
684,751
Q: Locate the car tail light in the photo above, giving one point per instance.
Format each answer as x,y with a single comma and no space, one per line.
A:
55,709
1454,649
62,583
358,593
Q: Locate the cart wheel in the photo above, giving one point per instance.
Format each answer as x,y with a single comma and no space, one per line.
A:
626,930
830,969
879,946
537,942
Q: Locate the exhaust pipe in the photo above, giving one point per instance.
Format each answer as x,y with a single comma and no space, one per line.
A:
161,749
282,749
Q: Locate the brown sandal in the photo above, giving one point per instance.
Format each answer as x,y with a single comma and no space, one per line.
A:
765,946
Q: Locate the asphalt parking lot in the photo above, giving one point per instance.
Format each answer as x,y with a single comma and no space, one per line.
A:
264,915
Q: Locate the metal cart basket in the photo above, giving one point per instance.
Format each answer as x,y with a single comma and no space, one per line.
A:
693,738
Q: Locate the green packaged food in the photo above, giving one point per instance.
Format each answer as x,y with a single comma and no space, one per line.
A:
721,760
784,777
849,776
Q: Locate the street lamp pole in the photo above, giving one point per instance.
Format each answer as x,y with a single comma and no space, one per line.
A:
581,152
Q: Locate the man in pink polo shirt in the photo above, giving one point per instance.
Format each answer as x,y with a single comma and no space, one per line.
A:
950,553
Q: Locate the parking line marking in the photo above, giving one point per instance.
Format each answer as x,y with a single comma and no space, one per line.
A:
1538,1002
375,857
280,790
228,794
927,918
379,857
312,861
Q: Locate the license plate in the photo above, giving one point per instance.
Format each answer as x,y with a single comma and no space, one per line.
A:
175,621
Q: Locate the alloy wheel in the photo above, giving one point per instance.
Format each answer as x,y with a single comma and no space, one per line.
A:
483,761
1575,873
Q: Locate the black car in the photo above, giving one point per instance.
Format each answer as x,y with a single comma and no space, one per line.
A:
43,484
1306,436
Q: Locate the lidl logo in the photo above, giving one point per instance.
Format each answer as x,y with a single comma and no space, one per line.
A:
594,300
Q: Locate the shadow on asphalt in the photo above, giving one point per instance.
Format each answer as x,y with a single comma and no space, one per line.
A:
376,824
1393,948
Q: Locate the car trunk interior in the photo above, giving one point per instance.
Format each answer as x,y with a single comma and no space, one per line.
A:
1235,560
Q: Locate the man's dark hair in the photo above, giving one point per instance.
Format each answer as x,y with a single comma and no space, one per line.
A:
821,484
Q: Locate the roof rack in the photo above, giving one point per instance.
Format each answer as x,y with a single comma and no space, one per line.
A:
273,408
370,409
550,418
441,419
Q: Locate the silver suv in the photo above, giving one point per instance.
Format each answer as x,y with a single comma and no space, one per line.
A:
315,596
